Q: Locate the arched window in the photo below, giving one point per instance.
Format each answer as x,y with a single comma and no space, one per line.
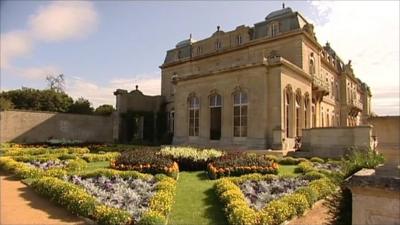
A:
194,112
312,65
306,105
287,112
298,126
240,103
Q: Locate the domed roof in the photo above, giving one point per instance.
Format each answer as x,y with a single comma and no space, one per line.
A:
280,12
185,42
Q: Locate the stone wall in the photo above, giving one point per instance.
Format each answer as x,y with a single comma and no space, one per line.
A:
36,127
332,142
375,198
386,128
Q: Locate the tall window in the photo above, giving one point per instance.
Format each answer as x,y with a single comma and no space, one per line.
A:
171,118
312,66
240,103
327,118
218,44
306,105
194,111
239,40
298,99
199,50
274,29
287,105
215,116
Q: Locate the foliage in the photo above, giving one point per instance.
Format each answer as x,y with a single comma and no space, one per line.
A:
275,212
111,173
357,159
146,162
6,104
317,160
106,215
304,167
234,164
128,194
92,157
76,165
104,110
81,106
189,158
290,160
66,194
34,99
313,175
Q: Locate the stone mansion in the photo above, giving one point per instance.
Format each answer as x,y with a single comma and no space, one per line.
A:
251,88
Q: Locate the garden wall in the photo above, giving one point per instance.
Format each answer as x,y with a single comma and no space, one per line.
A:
37,127
332,142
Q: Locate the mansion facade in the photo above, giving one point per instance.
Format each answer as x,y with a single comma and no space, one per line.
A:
255,87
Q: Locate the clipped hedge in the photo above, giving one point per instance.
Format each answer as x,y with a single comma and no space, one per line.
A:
236,164
189,158
238,212
23,171
93,157
19,151
146,162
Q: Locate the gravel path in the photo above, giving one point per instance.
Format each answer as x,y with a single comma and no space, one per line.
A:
21,205
318,215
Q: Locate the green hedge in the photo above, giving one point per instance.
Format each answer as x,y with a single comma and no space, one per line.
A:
238,211
93,157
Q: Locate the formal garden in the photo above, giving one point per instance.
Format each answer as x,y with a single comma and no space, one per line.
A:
127,184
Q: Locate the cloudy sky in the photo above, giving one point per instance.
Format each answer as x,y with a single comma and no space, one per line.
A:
101,46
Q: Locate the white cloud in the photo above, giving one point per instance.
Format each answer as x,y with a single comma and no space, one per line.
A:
367,33
56,21
149,84
14,44
36,73
63,20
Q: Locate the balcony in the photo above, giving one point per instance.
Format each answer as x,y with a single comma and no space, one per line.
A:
356,105
320,85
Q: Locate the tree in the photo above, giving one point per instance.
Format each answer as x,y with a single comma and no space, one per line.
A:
42,100
56,83
81,106
6,104
104,110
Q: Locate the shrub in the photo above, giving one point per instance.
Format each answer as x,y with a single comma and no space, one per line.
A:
110,173
93,157
322,187
288,161
152,218
106,215
313,175
271,158
66,194
309,194
357,159
190,158
236,164
67,156
304,167
317,160
296,201
146,162
279,211
76,165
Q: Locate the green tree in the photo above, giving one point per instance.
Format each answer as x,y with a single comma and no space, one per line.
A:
81,106
6,104
104,110
34,99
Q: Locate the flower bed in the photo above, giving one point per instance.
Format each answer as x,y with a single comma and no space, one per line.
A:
51,164
112,197
236,164
191,159
288,203
95,157
146,162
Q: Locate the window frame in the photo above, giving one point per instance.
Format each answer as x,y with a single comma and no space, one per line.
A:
243,129
195,107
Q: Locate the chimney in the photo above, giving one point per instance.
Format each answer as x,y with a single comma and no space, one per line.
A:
283,5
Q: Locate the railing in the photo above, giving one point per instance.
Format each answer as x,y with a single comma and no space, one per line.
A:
320,84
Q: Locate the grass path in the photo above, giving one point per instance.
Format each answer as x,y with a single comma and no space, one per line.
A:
196,202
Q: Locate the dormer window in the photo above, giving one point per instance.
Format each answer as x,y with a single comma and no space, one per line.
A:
274,29
199,50
218,45
239,40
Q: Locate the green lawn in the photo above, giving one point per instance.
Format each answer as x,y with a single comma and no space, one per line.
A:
96,165
196,202
287,169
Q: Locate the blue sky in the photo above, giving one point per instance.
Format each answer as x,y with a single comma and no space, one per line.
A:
100,46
